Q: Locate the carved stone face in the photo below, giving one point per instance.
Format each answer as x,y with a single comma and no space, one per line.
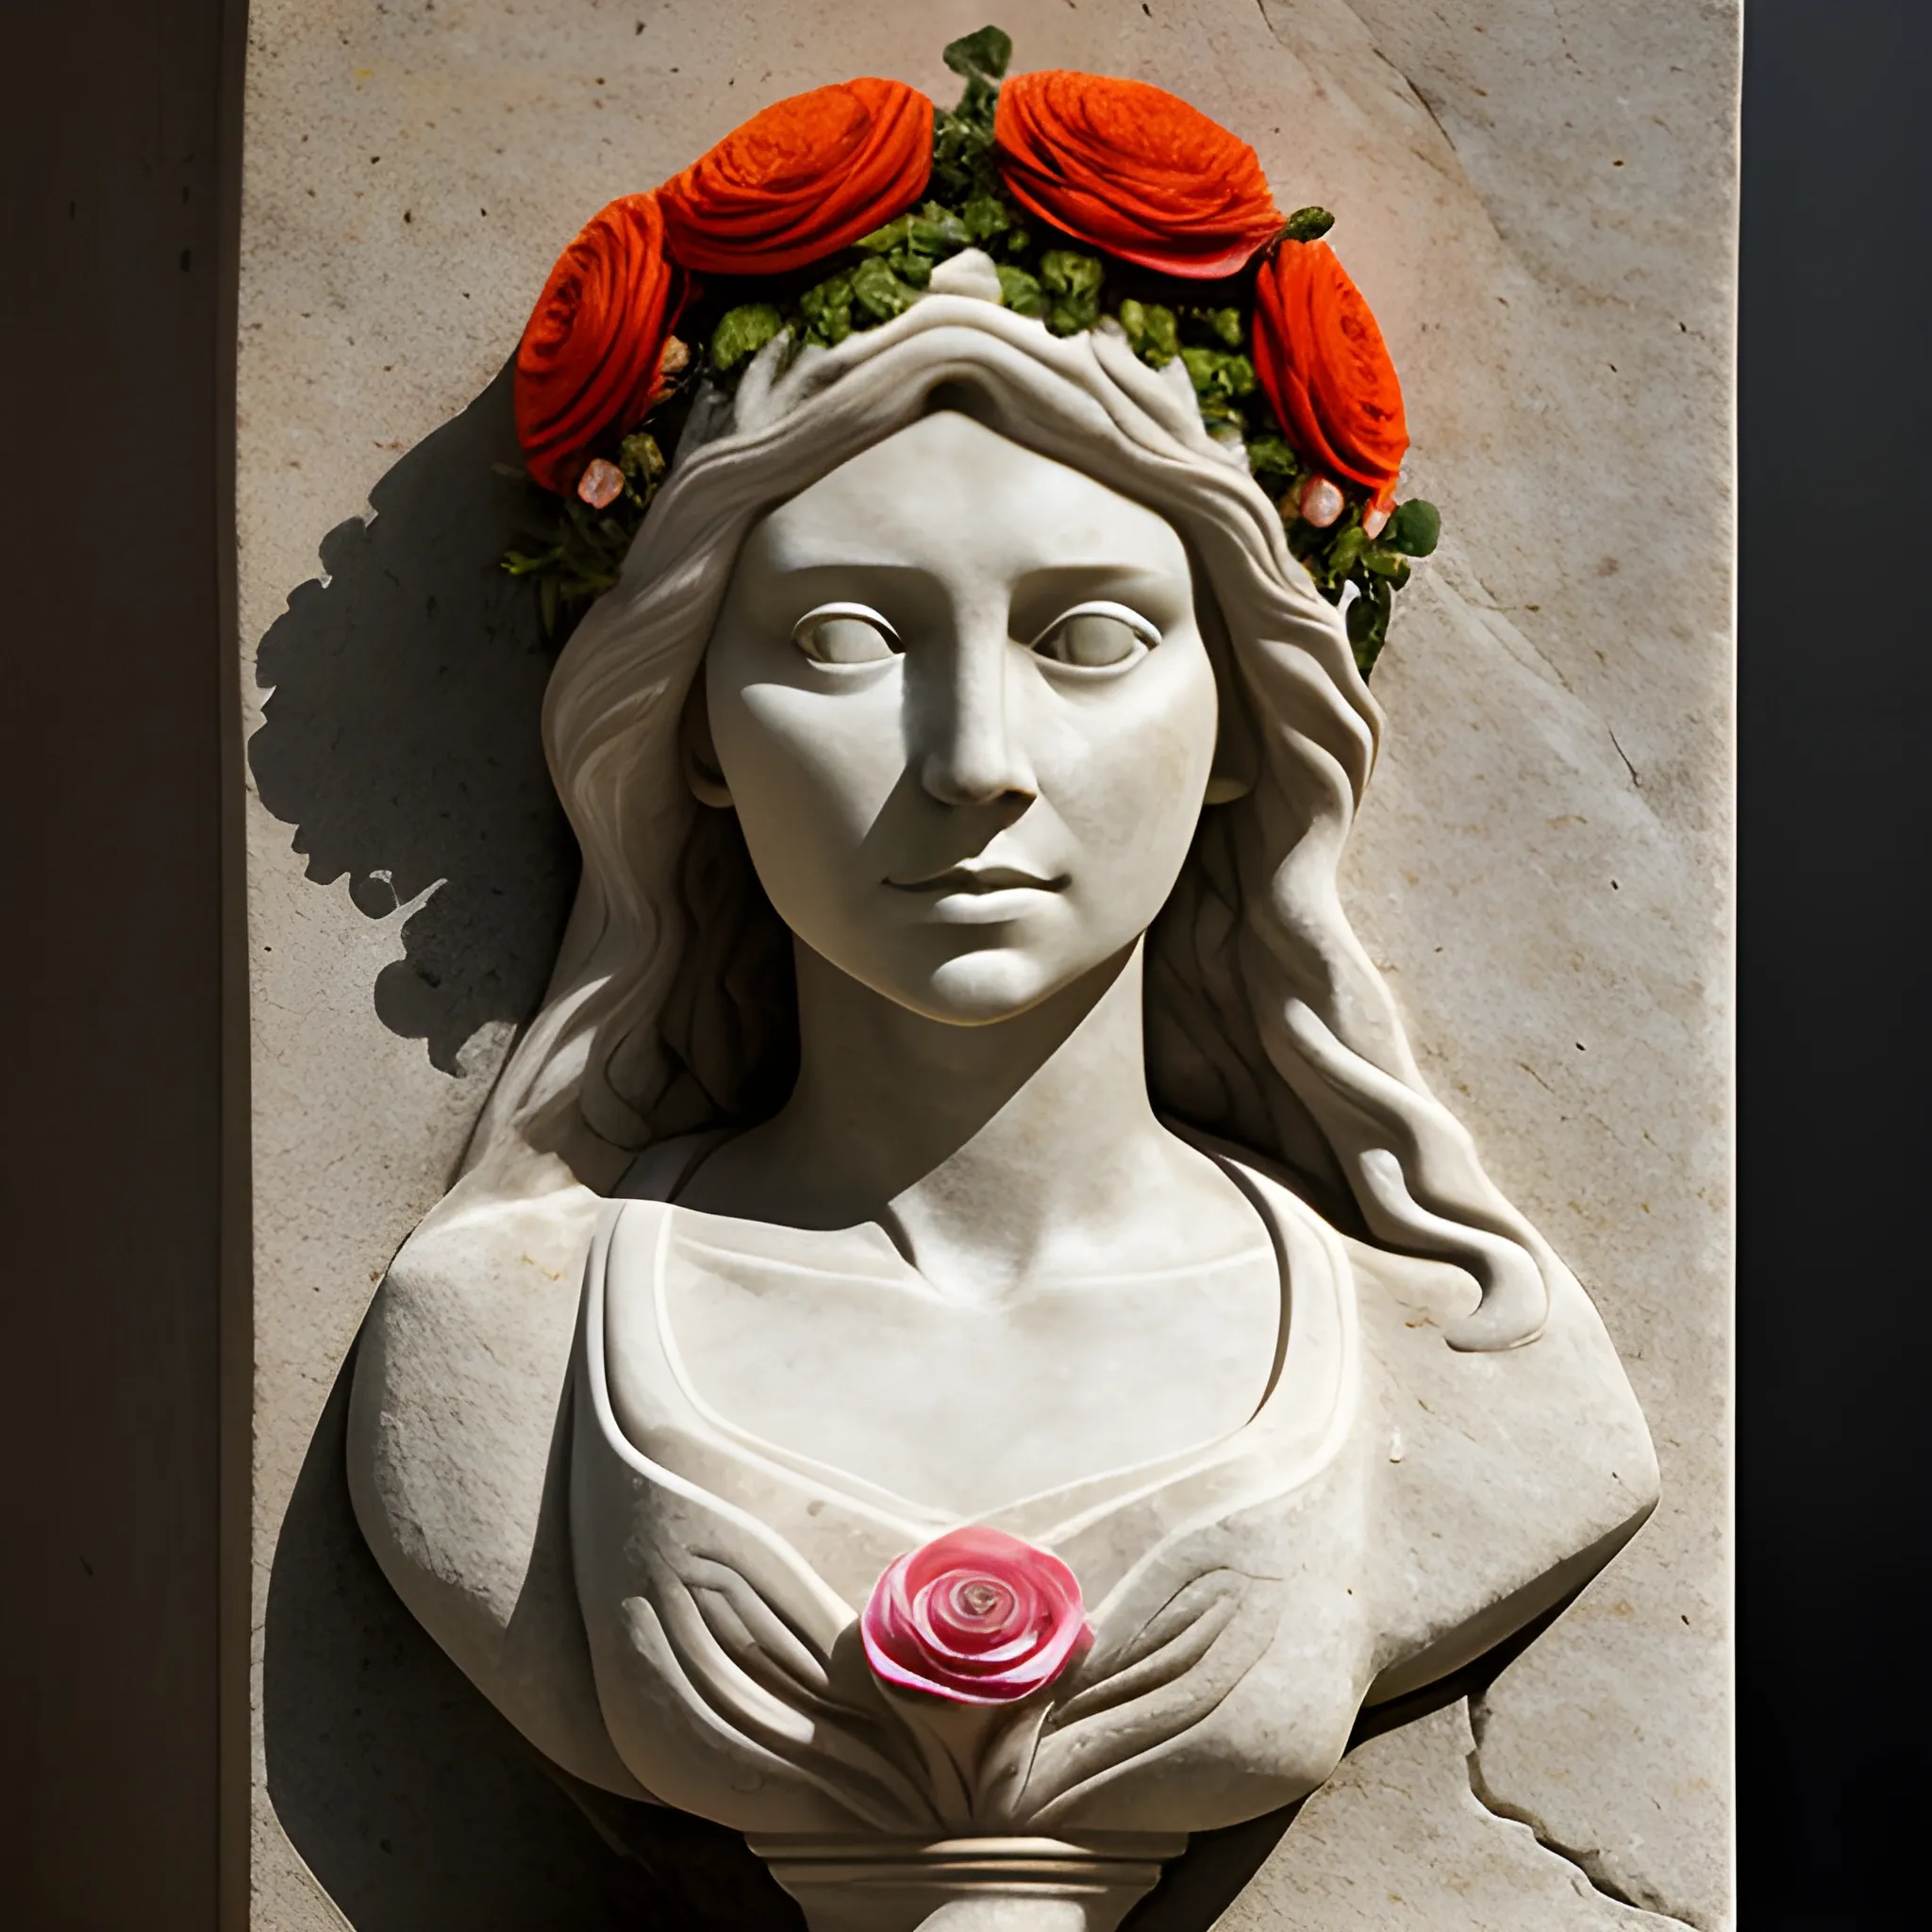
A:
959,697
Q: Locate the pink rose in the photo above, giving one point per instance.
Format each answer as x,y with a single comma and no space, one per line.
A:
975,1617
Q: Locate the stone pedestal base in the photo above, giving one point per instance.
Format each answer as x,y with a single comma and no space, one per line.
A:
969,1884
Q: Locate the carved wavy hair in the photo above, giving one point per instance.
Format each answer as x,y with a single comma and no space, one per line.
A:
1267,1026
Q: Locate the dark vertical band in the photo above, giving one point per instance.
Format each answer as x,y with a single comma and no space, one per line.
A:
124,1607
1834,1314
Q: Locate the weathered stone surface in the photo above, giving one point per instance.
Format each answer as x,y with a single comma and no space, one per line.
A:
1400,1837
1538,201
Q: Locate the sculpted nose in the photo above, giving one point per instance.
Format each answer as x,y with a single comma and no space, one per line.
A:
972,755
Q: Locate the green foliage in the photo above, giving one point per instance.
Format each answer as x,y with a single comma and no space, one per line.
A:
744,331
1221,378
1367,622
1339,557
962,163
1415,529
981,59
878,291
581,561
1071,280
1378,567
1021,292
938,231
914,244
1350,540
883,241
931,231
826,310
1269,456
580,557
1309,225
1152,331
986,218
642,463
1227,323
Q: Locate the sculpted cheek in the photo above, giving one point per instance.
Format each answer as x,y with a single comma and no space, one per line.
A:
1133,773
809,773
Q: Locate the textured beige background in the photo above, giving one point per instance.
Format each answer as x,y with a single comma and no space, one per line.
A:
1538,198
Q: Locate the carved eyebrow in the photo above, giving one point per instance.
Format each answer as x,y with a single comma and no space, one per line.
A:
1042,595
1073,579
805,561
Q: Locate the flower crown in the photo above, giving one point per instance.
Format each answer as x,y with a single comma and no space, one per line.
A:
1088,198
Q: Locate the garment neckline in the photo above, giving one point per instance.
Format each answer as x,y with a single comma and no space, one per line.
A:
1303,1246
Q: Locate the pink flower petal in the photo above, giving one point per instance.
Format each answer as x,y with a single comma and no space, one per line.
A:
975,1616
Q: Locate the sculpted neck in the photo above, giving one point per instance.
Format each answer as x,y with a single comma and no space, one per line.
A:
988,1153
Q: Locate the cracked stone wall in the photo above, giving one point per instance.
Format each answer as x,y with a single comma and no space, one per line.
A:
1538,198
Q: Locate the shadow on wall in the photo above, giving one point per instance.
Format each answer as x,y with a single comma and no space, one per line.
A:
402,743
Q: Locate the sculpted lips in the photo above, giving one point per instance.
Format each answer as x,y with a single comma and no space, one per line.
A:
981,878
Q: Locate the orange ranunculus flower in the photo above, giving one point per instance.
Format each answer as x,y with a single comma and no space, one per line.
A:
1134,170
802,180
588,359
1325,367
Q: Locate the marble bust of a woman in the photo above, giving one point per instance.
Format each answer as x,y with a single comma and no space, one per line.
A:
961,1106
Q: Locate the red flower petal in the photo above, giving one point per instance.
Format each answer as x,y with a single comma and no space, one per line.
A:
1134,170
802,180
588,358
1323,362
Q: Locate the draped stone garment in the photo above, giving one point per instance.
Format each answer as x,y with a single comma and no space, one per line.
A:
1390,1509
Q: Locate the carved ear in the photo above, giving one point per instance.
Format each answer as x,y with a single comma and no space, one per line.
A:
696,752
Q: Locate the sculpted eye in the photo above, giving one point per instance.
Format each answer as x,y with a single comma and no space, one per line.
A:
845,634
1098,637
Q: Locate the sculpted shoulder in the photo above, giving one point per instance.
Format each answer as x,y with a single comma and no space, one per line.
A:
1506,1479
458,1435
